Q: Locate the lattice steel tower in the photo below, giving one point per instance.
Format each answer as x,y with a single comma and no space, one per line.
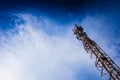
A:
102,61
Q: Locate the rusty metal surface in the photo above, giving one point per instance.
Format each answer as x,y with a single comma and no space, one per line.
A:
103,62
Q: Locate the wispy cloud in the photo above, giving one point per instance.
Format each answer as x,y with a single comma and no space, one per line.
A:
33,54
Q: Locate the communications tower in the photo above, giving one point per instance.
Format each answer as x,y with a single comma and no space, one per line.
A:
103,62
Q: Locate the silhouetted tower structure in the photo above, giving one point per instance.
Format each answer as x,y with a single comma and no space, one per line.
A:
102,61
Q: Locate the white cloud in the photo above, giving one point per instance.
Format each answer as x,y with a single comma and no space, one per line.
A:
33,54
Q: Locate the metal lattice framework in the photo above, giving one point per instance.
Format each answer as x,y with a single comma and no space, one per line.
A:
103,62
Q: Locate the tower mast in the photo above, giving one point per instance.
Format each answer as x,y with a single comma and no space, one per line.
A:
103,62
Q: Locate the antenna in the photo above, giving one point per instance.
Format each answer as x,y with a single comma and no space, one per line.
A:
103,62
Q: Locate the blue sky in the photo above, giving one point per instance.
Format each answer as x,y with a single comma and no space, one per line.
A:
37,43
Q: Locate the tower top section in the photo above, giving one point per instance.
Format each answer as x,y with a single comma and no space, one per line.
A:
79,32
